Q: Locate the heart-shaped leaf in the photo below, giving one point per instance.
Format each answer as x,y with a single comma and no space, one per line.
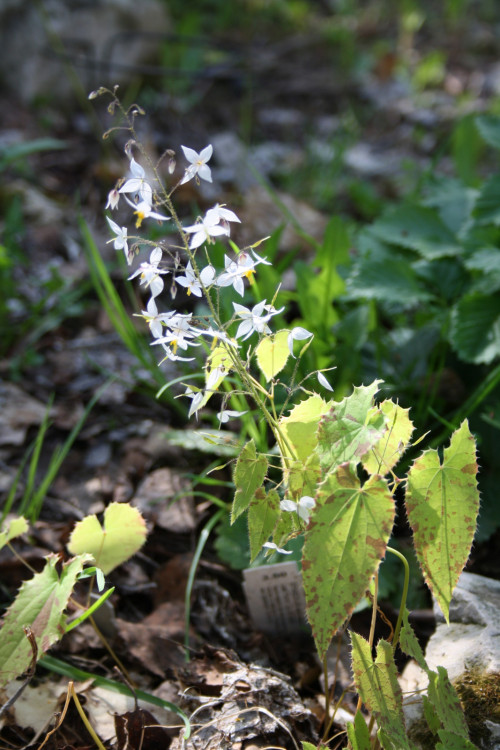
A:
272,353
442,502
123,534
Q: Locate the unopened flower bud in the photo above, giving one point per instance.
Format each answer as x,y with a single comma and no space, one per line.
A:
171,160
128,148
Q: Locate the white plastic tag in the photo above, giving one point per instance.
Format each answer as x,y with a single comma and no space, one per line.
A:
275,598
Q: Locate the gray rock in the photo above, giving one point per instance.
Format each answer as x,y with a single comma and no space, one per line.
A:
41,43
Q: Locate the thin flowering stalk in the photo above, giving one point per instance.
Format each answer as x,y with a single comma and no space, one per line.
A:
257,392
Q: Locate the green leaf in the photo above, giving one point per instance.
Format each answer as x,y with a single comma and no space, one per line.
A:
377,684
489,127
123,535
358,733
315,295
385,454
442,502
452,741
417,228
249,474
351,428
300,426
444,699
475,328
303,478
231,543
15,527
453,200
344,543
487,207
272,353
263,514
409,643
39,605
387,278
487,260
430,715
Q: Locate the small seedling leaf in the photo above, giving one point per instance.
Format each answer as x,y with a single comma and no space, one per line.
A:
442,502
39,605
123,534
272,354
409,643
358,733
249,475
13,528
345,542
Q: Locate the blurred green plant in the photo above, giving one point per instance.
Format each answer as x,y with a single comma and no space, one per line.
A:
423,294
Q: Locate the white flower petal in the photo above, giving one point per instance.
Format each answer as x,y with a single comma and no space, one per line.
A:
272,545
227,414
324,382
288,505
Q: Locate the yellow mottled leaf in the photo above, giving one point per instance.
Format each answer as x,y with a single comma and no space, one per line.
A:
123,534
272,353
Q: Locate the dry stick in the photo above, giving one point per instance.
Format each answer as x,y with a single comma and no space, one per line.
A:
69,695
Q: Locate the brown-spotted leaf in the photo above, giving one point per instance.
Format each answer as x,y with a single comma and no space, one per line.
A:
345,542
385,454
442,502
351,428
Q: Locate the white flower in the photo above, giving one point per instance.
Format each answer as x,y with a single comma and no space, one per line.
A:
253,320
197,398
205,229
302,508
198,164
227,414
180,333
324,382
223,214
192,283
297,334
150,273
120,241
144,210
154,319
272,545
137,184
236,270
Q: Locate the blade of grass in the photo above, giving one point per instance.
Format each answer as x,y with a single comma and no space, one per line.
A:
33,465
204,535
31,504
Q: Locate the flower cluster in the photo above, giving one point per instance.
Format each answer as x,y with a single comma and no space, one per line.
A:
175,332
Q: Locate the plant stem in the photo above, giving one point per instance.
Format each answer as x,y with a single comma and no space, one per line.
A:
404,595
